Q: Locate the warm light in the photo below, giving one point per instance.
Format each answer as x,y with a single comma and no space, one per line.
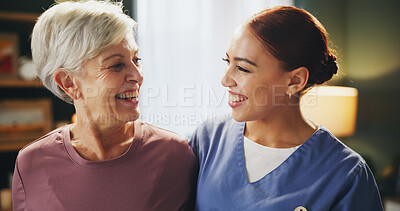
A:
333,107
73,118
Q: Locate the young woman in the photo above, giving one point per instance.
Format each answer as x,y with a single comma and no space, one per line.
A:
267,156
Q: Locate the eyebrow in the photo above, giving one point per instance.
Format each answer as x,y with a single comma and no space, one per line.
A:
114,55
243,59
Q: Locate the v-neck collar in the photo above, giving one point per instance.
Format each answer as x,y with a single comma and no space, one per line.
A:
239,137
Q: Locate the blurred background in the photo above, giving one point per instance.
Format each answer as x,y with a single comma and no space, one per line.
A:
182,43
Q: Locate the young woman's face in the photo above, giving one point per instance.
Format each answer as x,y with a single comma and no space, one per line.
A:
254,78
110,84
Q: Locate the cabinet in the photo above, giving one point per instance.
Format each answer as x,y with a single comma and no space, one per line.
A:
20,83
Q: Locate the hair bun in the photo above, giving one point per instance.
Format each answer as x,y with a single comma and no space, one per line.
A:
325,71
330,65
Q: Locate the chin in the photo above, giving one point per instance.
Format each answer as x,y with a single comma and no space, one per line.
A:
132,118
247,116
238,117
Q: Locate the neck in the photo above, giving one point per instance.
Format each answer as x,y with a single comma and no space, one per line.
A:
285,129
98,141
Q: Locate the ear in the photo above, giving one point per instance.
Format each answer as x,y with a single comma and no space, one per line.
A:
298,79
68,83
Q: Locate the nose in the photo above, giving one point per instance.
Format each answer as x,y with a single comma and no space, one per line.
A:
135,73
227,80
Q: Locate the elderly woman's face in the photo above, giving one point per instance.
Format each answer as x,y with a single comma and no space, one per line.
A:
110,84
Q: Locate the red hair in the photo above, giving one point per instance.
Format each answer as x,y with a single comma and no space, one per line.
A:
297,39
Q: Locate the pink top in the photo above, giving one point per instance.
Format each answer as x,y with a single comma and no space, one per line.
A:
157,172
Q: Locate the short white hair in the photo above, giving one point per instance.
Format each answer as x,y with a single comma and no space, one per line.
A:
70,33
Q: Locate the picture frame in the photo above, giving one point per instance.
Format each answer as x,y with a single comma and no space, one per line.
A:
25,120
9,52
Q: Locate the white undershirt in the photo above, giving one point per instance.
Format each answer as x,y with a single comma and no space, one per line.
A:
261,160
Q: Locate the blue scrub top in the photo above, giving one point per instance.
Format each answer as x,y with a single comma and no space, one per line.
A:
322,174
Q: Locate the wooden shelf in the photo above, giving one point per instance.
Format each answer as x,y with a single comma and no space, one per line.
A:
14,136
13,146
15,142
16,83
19,16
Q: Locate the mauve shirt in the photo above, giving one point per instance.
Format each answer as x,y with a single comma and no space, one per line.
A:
157,172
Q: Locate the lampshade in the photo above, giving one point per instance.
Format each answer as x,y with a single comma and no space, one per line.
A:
334,107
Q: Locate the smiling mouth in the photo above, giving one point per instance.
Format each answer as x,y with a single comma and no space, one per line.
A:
127,95
235,98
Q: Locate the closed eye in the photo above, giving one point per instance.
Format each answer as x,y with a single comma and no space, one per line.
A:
242,69
117,67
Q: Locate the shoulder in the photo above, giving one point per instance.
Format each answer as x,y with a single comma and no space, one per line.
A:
169,142
349,174
45,142
337,167
161,144
47,145
153,132
215,125
336,152
215,133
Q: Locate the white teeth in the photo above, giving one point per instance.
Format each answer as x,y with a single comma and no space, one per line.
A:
127,95
236,98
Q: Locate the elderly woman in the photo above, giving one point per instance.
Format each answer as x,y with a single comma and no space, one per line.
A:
85,53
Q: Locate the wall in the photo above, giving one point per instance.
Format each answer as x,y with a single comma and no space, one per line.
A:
182,44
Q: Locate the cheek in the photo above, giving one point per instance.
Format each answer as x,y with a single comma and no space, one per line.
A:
260,95
258,91
97,97
100,94
108,80
102,75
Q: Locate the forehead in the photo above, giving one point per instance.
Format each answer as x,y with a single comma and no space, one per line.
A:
245,44
123,47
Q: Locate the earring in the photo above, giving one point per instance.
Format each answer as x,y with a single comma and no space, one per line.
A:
290,95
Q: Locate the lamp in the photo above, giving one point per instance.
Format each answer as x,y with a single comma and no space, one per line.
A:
334,107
